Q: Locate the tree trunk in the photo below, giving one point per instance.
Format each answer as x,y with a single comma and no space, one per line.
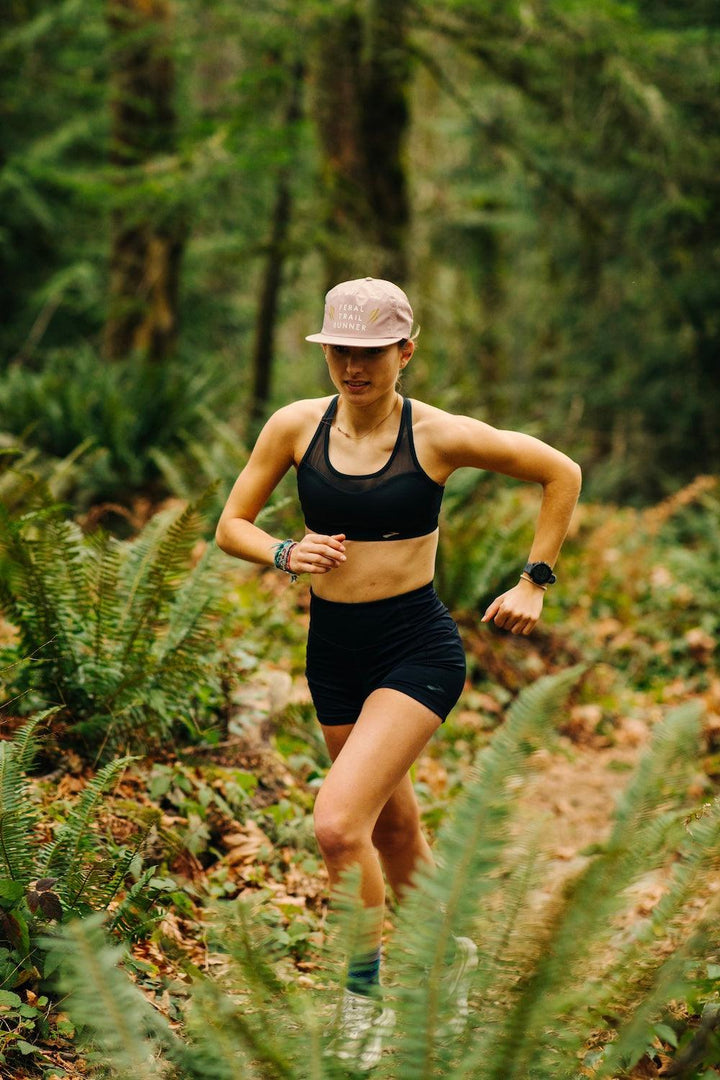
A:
362,115
263,349
148,237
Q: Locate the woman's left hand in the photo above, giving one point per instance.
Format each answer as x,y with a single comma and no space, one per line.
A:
518,609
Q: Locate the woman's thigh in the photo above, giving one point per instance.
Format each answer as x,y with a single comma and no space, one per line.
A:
372,757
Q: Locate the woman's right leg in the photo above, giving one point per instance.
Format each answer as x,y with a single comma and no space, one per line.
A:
371,763
397,837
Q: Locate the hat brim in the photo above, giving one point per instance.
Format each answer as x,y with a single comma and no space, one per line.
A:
361,343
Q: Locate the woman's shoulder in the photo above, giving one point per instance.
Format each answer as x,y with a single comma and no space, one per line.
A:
421,410
447,440
430,420
297,414
290,429
433,418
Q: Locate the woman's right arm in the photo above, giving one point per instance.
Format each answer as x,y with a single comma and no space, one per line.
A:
236,531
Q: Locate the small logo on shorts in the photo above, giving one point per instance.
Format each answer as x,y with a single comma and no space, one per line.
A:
438,688
387,536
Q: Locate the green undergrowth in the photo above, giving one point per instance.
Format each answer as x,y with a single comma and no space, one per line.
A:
125,416
231,796
551,974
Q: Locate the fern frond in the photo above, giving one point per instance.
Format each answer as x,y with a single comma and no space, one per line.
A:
132,915
538,1025
468,851
261,1025
103,1001
232,1040
41,590
62,854
106,599
156,565
193,600
671,980
640,972
18,812
24,744
121,867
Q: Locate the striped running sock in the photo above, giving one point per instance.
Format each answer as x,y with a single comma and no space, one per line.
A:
364,974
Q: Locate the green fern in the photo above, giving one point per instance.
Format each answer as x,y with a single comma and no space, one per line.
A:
469,850
123,634
112,1009
18,813
65,856
126,411
543,1023
550,973
29,479
75,873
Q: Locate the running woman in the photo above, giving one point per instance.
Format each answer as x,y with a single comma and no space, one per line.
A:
385,663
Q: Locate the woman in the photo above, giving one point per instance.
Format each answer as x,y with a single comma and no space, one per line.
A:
384,662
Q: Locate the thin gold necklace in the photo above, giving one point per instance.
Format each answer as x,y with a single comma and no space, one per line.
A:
357,438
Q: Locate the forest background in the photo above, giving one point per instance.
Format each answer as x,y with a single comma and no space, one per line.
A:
180,182
184,181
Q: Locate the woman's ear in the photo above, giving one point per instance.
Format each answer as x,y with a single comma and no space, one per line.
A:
406,353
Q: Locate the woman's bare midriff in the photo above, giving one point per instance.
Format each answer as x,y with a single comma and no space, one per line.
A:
376,569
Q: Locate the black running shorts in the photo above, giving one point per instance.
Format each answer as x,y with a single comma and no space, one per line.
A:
408,643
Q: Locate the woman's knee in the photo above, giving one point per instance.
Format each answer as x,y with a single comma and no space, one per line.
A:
337,833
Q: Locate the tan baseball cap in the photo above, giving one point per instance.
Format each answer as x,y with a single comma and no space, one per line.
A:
365,312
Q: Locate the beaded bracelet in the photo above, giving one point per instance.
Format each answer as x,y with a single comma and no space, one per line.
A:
281,559
526,577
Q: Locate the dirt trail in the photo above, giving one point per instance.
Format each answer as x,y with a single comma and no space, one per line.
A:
576,788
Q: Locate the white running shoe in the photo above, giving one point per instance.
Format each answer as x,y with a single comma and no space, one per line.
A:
364,1023
457,982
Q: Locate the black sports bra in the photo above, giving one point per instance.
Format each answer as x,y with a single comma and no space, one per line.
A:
397,502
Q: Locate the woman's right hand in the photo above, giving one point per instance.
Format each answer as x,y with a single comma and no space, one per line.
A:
316,554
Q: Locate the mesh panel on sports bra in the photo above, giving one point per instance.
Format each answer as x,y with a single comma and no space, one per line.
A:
401,460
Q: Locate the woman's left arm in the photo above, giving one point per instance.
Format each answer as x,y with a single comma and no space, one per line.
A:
521,456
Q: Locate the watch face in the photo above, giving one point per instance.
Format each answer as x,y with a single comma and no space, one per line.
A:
541,573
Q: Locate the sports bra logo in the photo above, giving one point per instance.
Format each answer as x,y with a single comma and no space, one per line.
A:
388,536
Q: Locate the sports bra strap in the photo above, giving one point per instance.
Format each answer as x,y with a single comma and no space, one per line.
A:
322,427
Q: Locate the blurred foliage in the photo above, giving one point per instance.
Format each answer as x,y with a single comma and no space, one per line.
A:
484,526
122,415
660,562
561,160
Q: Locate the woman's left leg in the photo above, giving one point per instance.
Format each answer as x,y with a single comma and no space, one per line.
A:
399,838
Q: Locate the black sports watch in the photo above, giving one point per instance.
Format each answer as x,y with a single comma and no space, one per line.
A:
540,573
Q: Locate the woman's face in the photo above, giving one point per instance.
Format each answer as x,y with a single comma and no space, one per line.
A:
364,374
